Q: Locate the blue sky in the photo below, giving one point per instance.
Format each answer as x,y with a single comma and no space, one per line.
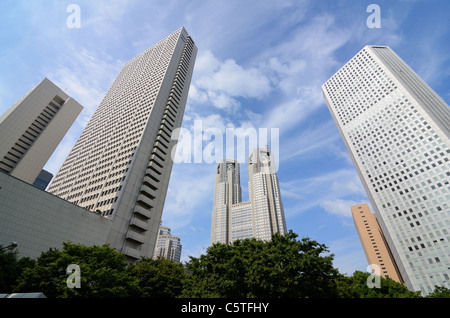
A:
260,64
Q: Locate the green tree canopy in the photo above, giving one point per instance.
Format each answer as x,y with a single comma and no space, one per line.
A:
356,287
102,273
158,278
440,292
282,267
11,266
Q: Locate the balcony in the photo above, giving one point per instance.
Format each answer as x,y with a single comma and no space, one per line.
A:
158,152
131,235
139,223
147,201
157,160
147,190
154,168
131,252
143,211
149,181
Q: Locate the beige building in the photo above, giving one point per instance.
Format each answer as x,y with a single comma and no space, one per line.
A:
262,215
32,128
121,164
167,245
373,242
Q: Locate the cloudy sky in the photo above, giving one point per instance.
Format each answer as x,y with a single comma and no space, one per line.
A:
260,65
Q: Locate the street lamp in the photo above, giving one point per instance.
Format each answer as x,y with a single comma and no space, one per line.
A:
10,246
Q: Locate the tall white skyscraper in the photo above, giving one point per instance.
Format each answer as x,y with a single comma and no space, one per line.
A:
32,128
121,164
397,129
262,215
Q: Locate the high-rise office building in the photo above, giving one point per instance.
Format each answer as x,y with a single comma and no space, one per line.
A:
120,166
373,242
43,179
397,129
32,128
262,215
167,245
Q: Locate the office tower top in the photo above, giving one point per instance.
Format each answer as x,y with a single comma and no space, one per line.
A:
43,179
121,164
396,129
373,242
167,245
260,217
32,128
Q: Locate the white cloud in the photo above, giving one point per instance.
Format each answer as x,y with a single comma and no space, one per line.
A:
190,191
221,83
320,138
349,254
338,206
342,184
103,18
85,76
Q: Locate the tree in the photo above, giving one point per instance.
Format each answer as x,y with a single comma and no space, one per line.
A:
102,273
11,266
282,267
356,287
440,292
158,278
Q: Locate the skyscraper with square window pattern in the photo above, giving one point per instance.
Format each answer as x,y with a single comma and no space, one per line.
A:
120,166
397,129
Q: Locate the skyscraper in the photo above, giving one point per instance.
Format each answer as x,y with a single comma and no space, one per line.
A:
396,129
32,128
43,179
373,242
121,164
262,215
167,245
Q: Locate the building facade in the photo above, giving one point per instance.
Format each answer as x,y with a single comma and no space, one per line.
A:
37,220
260,217
32,128
374,244
396,130
120,166
167,245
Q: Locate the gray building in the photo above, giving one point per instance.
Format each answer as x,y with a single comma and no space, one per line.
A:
37,220
397,130
121,164
43,179
32,128
262,215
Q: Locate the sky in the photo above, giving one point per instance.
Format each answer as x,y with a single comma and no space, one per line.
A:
260,65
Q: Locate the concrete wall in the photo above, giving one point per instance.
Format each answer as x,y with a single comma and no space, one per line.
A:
38,220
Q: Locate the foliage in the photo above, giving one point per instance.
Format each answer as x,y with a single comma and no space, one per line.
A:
159,278
356,287
10,269
440,292
282,267
103,273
